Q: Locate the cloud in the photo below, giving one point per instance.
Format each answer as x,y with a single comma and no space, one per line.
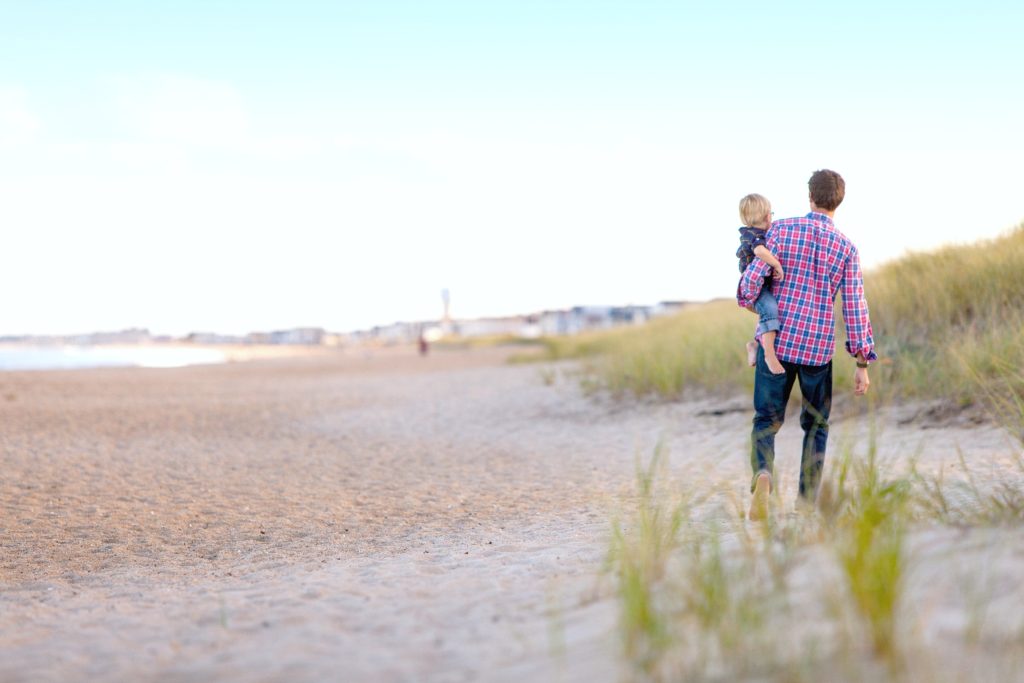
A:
18,125
187,111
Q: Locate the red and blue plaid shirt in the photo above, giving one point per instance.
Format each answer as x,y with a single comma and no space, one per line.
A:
818,261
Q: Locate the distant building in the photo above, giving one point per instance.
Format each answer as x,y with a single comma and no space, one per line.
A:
493,327
307,336
667,308
630,315
334,339
133,335
396,333
585,318
214,338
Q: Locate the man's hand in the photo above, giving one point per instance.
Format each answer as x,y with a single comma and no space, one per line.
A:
778,273
861,382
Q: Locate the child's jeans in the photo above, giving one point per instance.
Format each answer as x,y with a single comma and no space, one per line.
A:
768,308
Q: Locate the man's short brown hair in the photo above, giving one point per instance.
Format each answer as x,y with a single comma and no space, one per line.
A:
827,189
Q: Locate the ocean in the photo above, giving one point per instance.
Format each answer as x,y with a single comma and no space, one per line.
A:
18,357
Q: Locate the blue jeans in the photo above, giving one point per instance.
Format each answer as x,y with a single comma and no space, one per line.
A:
771,394
768,310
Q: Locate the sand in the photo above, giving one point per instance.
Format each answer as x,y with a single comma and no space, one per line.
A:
353,515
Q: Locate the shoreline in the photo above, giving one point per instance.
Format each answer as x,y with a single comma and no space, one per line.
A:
33,357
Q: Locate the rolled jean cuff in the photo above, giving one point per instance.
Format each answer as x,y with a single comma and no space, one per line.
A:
771,325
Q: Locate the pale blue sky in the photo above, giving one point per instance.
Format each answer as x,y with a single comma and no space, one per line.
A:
232,166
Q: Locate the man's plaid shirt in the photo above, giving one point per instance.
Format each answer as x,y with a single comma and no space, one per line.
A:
818,261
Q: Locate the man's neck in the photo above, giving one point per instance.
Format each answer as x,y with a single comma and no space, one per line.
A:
816,209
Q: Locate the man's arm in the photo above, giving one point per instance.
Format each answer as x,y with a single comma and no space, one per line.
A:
751,282
860,341
762,252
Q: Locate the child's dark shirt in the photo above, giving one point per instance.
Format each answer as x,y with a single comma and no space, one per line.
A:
750,238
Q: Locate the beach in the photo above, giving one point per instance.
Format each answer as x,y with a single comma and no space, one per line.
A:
359,515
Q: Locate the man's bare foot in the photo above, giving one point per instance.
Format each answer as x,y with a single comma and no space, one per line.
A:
752,353
804,506
774,365
759,502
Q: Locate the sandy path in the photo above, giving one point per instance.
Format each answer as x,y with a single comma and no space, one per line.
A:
352,517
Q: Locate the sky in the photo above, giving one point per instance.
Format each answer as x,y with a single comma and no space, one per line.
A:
205,165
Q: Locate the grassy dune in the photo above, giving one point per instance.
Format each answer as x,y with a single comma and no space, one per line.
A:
946,323
838,595
953,320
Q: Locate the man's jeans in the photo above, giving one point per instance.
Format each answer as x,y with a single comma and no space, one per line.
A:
771,394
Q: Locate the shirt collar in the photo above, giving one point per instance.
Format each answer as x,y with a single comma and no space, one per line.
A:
821,218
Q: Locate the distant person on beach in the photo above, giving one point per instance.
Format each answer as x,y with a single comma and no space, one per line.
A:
819,262
756,214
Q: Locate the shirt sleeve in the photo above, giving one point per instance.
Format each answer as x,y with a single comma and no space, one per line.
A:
859,336
751,282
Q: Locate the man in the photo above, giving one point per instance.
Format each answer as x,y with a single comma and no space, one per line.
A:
819,262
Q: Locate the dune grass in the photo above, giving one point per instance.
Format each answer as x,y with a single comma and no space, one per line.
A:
871,529
963,502
817,595
639,555
944,322
700,346
952,319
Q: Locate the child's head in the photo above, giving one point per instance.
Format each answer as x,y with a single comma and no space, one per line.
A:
755,211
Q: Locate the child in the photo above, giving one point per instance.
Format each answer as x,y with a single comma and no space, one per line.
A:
756,213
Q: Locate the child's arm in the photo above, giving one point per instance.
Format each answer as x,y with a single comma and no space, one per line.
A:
761,252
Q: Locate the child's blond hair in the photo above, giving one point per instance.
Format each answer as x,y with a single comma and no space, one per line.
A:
753,208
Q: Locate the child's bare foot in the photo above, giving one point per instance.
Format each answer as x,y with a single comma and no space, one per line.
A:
770,359
759,501
752,353
774,365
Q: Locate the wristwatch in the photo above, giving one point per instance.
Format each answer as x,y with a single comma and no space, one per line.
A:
861,364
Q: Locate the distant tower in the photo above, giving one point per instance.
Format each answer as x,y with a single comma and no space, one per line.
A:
446,321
